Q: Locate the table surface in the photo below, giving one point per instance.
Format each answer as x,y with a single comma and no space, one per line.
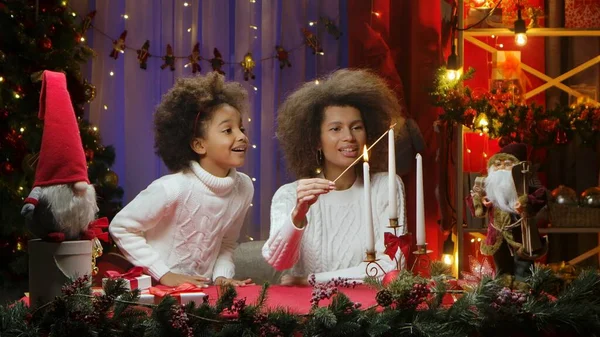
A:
296,299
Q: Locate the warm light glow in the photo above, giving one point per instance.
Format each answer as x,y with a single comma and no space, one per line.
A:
255,88
479,2
22,130
253,179
501,45
311,23
82,39
451,74
365,154
468,150
185,4
1,79
95,128
125,16
317,82
74,14
64,3
254,146
493,36
20,188
249,119
483,120
189,30
17,96
447,259
377,14
105,107
472,240
111,73
321,53
253,27
521,39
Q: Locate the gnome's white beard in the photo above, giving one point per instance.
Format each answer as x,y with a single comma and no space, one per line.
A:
72,212
500,189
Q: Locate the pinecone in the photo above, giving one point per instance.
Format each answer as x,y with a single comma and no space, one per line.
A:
384,298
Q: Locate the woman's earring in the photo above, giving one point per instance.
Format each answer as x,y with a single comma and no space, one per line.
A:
319,161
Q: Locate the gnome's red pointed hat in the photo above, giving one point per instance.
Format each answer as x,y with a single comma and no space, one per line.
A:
62,159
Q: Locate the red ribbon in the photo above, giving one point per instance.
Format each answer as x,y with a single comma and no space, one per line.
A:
162,291
95,230
393,242
131,275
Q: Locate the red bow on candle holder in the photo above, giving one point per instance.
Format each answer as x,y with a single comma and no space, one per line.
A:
131,275
393,242
162,291
95,230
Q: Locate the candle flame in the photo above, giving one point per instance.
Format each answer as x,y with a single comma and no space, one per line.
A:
365,154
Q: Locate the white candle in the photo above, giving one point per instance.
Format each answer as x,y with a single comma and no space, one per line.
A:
393,196
420,203
368,211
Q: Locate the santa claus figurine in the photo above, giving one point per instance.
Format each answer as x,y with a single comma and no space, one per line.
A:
511,201
62,202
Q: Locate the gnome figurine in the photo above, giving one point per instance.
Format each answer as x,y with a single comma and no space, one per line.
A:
62,202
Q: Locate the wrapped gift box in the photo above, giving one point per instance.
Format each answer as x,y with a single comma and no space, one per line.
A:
507,75
184,294
183,299
582,13
134,277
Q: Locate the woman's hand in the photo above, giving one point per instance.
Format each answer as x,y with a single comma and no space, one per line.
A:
307,193
173,280
219,281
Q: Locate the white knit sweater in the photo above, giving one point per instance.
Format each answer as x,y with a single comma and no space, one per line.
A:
186,223
333,243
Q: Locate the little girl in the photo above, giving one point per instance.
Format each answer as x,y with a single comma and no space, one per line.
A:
184,226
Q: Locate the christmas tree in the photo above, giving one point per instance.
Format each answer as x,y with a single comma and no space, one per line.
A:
36,36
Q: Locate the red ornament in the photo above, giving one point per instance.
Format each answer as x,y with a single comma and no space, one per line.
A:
89,154
7,168
389,277
45,43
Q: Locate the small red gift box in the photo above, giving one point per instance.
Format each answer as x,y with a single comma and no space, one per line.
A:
134,277
184,294
582,13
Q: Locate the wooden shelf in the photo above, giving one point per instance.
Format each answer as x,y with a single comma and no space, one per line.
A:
532,32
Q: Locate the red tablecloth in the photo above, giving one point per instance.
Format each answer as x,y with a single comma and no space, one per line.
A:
296,299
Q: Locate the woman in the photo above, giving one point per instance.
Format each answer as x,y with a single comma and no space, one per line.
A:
317,225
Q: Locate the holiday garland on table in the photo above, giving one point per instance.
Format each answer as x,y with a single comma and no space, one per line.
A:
408,306
497,113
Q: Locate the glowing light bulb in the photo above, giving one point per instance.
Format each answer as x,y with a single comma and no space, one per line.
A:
447,259
451,74
125,16
521,39
111,73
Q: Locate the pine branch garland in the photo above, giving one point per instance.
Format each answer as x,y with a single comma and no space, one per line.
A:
496,307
